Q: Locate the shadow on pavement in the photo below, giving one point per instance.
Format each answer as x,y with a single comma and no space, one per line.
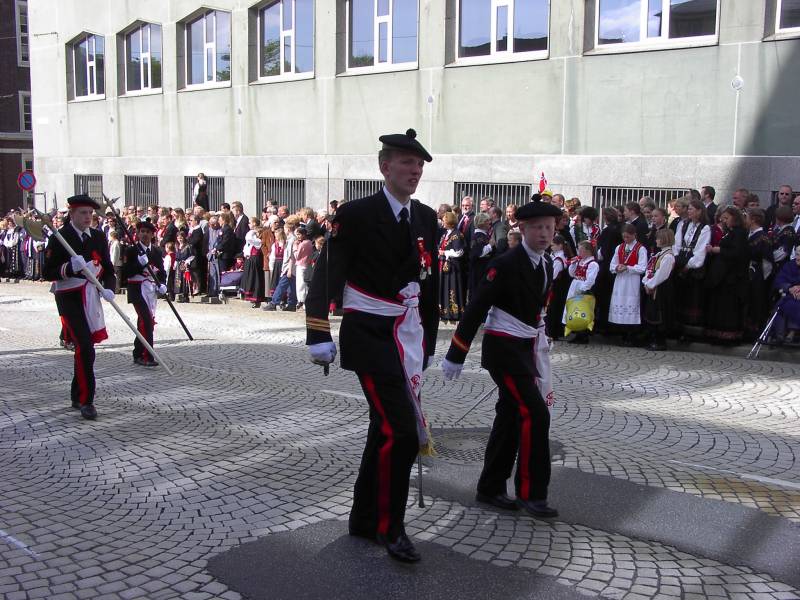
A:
323,561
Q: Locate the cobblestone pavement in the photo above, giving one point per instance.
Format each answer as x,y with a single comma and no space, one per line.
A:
249,439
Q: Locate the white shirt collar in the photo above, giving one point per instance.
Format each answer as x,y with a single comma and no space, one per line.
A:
87,231
535,257
396,205
145,247
756,230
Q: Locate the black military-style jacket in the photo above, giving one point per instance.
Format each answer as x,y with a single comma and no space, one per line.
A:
57,259
512,284
131,268
366,248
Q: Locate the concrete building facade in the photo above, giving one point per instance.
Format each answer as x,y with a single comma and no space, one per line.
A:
16,138
136,97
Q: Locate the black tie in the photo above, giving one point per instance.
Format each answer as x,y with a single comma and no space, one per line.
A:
84,237
404,226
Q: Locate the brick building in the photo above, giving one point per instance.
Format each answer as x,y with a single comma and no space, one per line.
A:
16,139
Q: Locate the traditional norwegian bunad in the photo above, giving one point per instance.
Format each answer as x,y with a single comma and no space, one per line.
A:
558,295
626,300
659,302
252,285
691,239
451,292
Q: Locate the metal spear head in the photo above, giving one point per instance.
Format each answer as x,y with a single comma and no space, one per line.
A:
34,227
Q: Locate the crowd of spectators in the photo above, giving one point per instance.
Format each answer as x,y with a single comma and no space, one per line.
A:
694,270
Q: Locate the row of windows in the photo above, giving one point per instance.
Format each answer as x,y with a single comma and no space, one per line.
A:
383,34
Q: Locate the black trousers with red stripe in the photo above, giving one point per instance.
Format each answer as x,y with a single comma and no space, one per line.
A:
145,325
76,330
381,490
520,433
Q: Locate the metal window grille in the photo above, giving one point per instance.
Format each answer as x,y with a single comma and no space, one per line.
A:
360,188
284,192
91,185
141,190
503,194
619,196
215,189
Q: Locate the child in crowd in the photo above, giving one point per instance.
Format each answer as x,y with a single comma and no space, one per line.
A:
276,260
583,269
659,301
183,277
304,247
561,282
169,268
628,264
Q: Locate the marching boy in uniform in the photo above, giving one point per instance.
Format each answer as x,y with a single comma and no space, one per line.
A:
512,299
78,301
378,258
143,260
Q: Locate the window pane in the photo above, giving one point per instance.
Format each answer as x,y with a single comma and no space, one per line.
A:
404,31
209,64
383,41
475,25
132,56
196,49
304,36
689,18
271,40
155,56
287,14
619,21
209,24
501,38
383,7
531,25
362,40
223,42
146,38
287,54
790,14
655,17
146,72
99,59
81,51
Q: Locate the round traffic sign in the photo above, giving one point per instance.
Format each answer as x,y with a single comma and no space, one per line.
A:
26,181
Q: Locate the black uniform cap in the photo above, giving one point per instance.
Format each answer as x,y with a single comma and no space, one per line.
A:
82,200
537,208
405,141
145,224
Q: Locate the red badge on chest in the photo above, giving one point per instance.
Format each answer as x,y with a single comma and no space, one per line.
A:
490,274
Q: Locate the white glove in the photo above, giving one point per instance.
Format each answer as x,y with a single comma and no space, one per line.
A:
451,370
486,250
322,354
77,263
108,295
162,289
143,259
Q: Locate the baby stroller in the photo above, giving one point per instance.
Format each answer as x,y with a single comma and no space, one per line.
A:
229,281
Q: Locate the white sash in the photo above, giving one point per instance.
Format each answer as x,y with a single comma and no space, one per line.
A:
408,335
90,295
149,289
503,322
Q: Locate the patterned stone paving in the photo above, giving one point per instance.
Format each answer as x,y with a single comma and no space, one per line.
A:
249,439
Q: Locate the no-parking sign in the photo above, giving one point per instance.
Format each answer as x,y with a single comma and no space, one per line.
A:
26,181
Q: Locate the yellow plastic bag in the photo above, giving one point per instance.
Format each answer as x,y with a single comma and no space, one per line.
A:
580,314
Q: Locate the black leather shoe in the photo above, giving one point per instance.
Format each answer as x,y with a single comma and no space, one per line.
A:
400,549
76,405
140,361
538,508
88,412
150,363
499,501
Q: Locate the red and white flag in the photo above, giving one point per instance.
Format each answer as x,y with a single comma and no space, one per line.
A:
542,183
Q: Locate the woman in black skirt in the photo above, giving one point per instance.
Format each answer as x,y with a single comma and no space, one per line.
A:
659,296
451,256
252,284
610,237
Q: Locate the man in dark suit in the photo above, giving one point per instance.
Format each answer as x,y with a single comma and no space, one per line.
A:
633,215
170,232
498,229
226,246
143,260
707,194
241,225
480,252
77,299
379,259
511,299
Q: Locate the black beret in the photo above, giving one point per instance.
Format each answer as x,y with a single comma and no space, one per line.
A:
82,200
145,224
537,208
405,141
